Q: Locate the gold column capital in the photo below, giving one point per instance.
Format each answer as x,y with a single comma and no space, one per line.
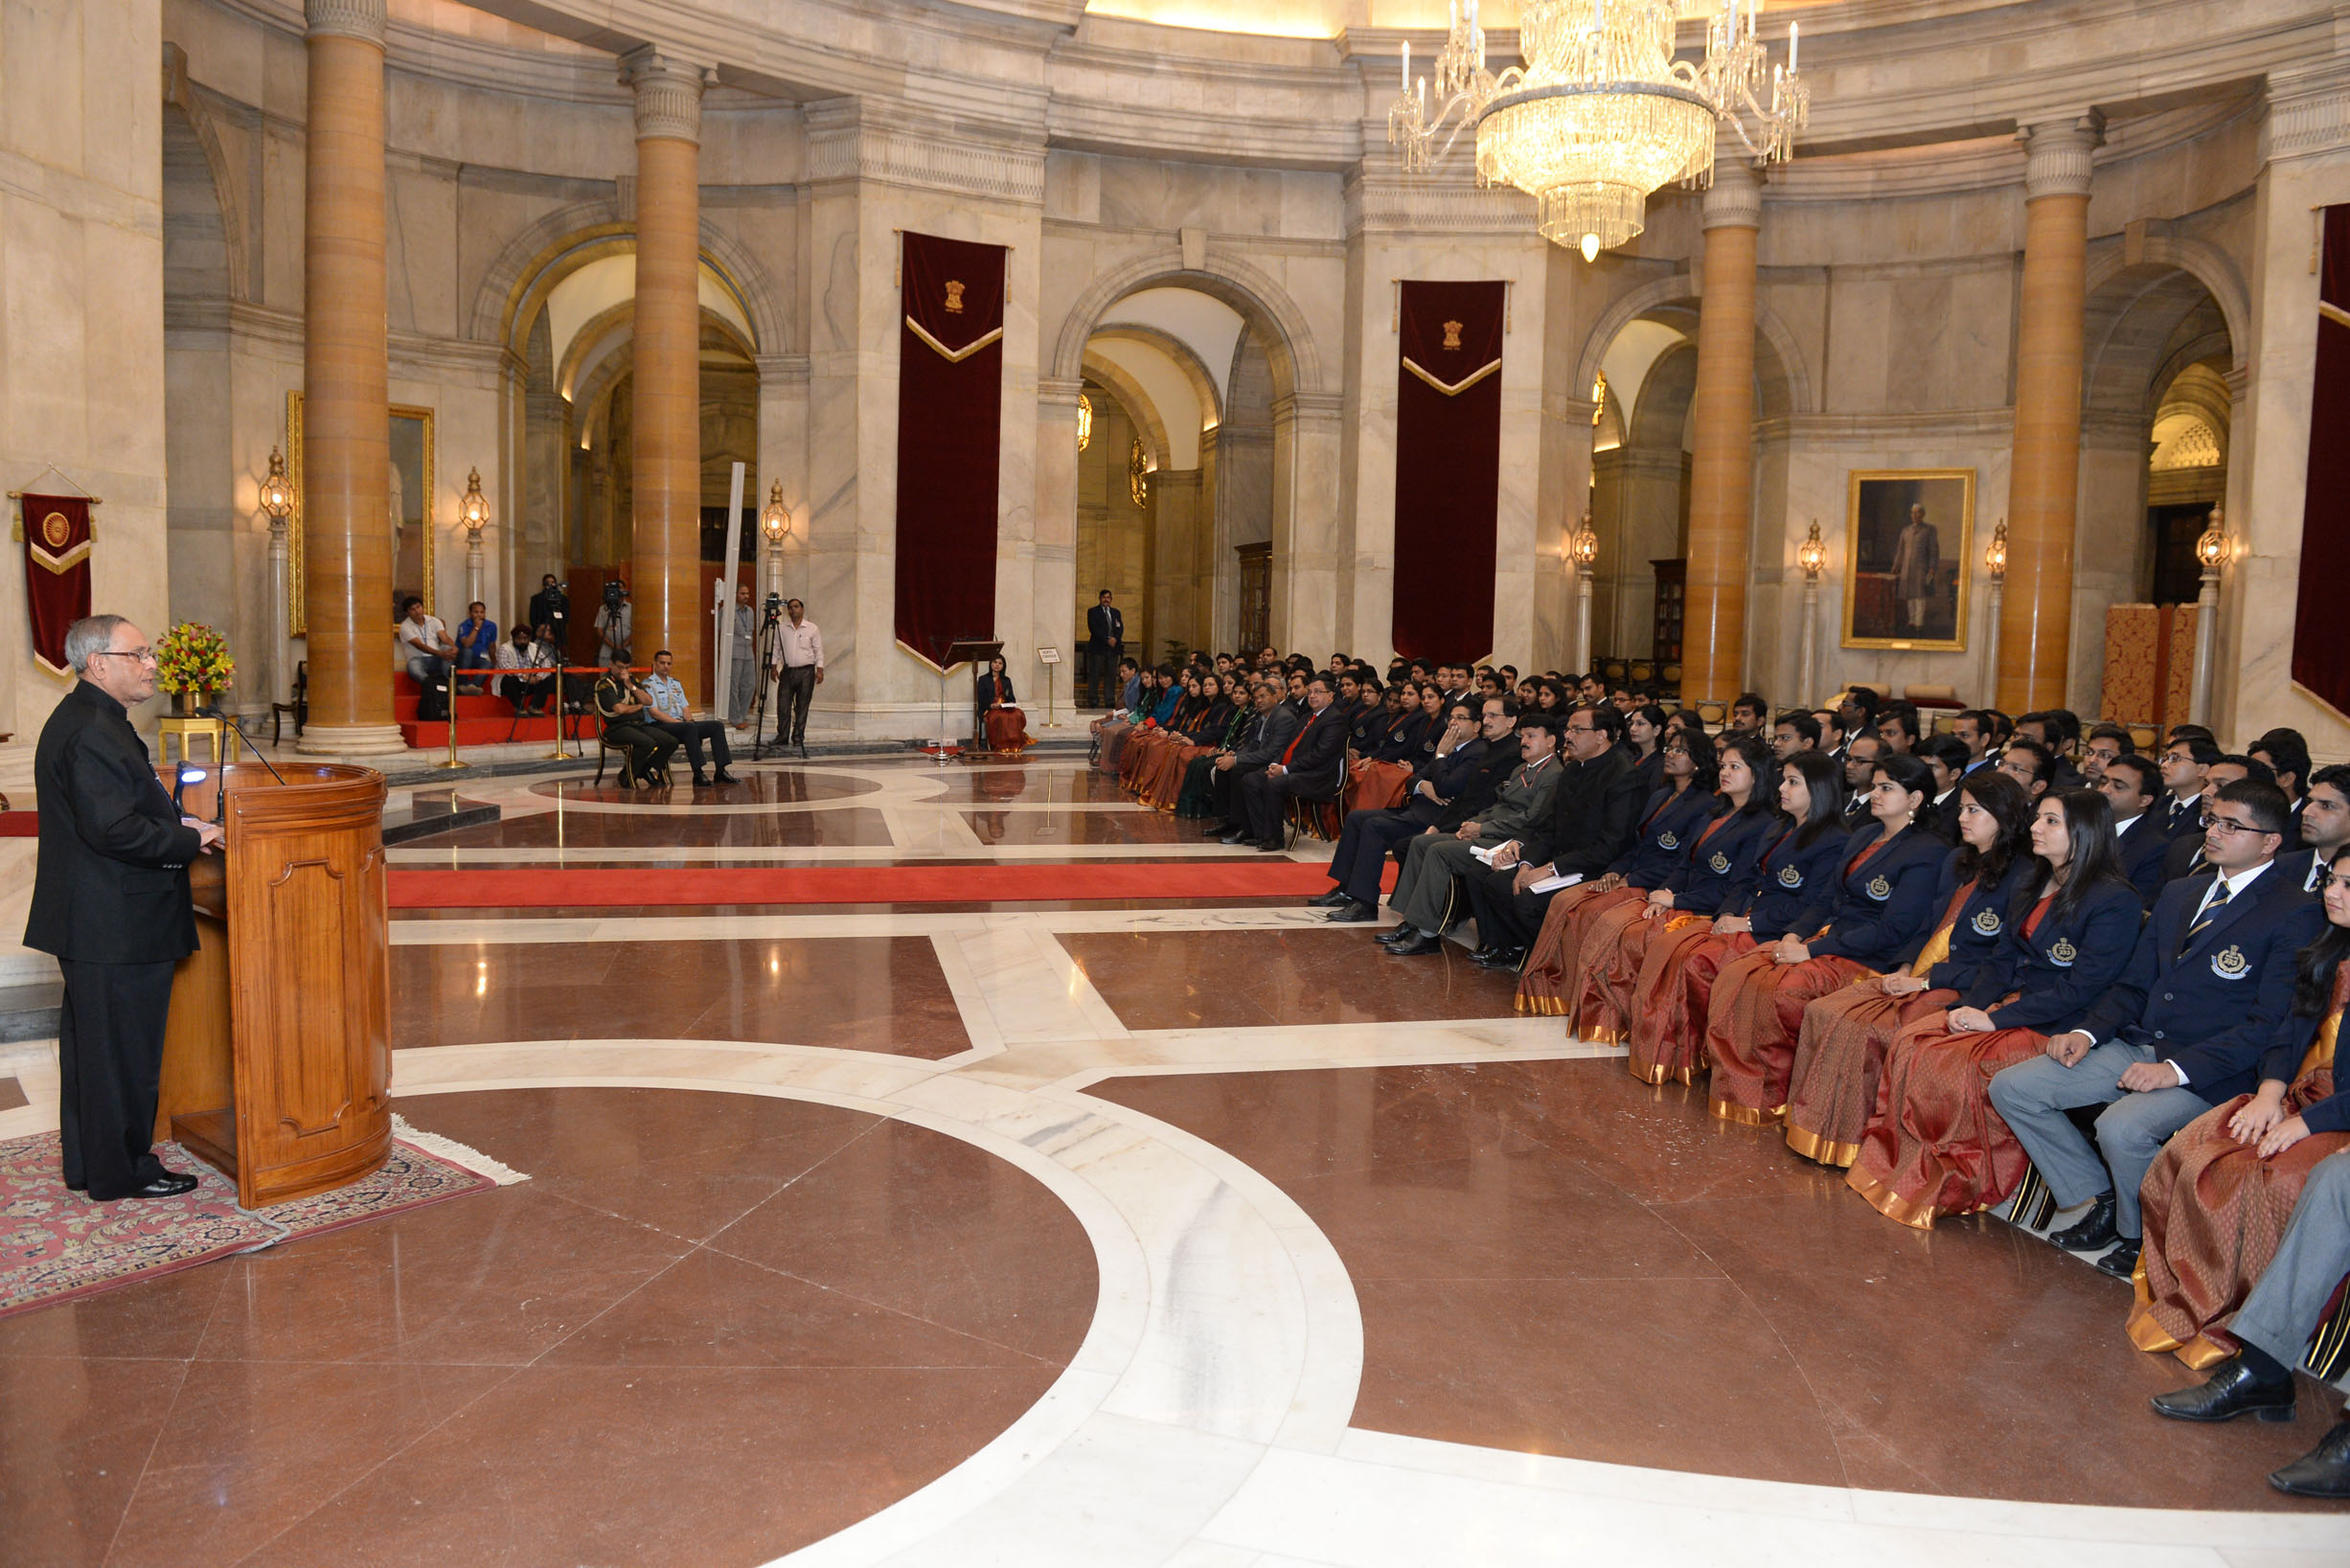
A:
668,92
360,19
2057,154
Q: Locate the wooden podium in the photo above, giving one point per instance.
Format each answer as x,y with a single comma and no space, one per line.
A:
277,1063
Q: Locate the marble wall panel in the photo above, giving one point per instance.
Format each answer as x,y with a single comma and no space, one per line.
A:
420,289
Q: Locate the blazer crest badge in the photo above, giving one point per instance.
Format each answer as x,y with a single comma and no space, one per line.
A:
2063,954
1668,840
1789,876
1721,863
1880,889
2231,963
1986,922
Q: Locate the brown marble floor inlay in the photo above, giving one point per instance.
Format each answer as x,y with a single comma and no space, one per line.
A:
711,1329
11,1094
664,830
1080,828
852,994
1551,1258
786,787
1254,979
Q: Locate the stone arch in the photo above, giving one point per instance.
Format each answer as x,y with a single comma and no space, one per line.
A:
1782,376
1263,303
2199,258
1137,403
204,124
1204,385
538,258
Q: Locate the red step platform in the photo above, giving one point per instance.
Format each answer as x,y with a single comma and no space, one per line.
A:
481,720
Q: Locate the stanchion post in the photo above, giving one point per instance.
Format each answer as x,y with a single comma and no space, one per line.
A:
452,723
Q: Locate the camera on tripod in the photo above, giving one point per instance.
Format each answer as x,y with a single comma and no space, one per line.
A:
774,611
613,594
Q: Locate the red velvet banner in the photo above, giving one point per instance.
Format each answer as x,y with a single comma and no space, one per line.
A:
1447,467
2320,653
56,533
950,396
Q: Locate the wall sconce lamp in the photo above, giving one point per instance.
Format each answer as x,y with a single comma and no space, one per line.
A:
1811,554
776,520
1585,545
2212,549
473,506
1995,556
277,494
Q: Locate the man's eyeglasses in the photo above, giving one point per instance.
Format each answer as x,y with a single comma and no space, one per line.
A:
2232,826
144,655
1582,729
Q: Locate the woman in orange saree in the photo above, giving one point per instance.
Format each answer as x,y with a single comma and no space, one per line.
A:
1884,901
1668,823
1144,746
1789,892
1161,773
1376,780
1721,858
2217,1199
1833,1091
1935,1145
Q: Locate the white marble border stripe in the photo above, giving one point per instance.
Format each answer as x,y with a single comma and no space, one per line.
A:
435,933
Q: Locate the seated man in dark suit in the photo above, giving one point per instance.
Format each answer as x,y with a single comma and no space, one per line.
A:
644,750
1591,820
2324,820
2141,835
1312,765
1266,736
1463,775
2183,1029
2186,856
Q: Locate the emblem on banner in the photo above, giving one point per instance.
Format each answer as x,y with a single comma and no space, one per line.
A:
2063,954
1452,334
954,297
2231,963
1721,863
1986,922
56,530
1789,876
1880,889
1668,840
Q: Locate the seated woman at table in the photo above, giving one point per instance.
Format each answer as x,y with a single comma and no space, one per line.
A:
1720,863
1109,734
1790,888
1162,774
1001,722
1670,821
1934,1144
1833,1091
2216,1199
1883,903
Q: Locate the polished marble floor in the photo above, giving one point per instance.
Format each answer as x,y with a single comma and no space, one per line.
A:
1069,1232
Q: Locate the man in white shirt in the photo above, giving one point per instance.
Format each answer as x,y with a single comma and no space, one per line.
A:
799,666
425,638
667,711
516,660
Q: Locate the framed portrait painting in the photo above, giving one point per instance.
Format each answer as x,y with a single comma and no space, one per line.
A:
1910,533
407,514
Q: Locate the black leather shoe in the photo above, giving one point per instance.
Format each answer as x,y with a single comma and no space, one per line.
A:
700,783
1498,957
1272,846
2324,1471
170,1184
1396,938
1351,912
2231,1391
1418,945
1238,835
1215,829
1335,898
722,775
2093,1230
2123,1260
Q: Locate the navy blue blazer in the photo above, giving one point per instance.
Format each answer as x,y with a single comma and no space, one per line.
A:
2216,1009
2142,845
1666,826
1883,907
2063,967
1794,886
2178,820
1983,922
1722,867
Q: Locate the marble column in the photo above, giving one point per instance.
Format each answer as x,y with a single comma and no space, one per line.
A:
1721,465
2044,487
345,405
665,554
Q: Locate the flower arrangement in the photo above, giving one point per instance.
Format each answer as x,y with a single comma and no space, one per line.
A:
194,657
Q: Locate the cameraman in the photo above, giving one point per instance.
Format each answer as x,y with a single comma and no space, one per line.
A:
526,671
615,624
551,608
799,664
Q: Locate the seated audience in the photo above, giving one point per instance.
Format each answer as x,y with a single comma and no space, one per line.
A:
1644,734
1119,719
424,641
529,679
1459,778
1790,891
2185,858
1947,756
1427,895
2184,1029
1260,744
2216,1198
2284,754
2129,785
1934,1145
2030,763
2184,758
1971,727
666,710
1670,818
1883,903
644,751
1749,714
2325,828
1831,1089
477,641
1860,755
1312,767
2105,742
1161,781
1793,732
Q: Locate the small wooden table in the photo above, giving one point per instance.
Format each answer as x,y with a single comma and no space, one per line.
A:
225,746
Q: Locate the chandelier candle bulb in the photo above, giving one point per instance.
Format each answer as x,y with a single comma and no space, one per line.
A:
1795,46
1405,50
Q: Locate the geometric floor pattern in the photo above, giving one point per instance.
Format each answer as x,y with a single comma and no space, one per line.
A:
1134,1231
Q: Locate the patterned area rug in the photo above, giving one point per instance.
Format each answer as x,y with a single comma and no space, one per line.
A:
55,1244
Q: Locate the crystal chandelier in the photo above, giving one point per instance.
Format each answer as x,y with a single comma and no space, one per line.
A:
1601,115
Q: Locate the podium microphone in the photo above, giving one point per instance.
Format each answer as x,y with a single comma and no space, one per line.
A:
215,711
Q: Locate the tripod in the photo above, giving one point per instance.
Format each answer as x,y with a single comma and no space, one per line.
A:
765,649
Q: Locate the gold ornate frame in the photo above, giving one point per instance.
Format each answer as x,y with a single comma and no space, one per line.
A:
297,615
1957,643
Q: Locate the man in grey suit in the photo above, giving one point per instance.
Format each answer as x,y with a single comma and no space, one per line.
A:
1424,893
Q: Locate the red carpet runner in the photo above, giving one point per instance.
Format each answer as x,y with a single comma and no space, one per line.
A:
623,886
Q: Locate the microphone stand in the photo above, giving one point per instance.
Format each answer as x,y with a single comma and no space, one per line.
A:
220,808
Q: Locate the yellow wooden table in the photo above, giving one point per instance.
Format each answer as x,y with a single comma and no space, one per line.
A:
225,746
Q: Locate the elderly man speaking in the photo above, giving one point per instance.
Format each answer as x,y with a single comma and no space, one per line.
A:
110,899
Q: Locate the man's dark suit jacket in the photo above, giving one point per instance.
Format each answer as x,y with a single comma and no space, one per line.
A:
1104,626
1484,786
1318,764
2144,846
2218,1008
1268,735
111,886
2178,857
1592,816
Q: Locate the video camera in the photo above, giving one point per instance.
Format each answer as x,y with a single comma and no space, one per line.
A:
613,594
774,611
